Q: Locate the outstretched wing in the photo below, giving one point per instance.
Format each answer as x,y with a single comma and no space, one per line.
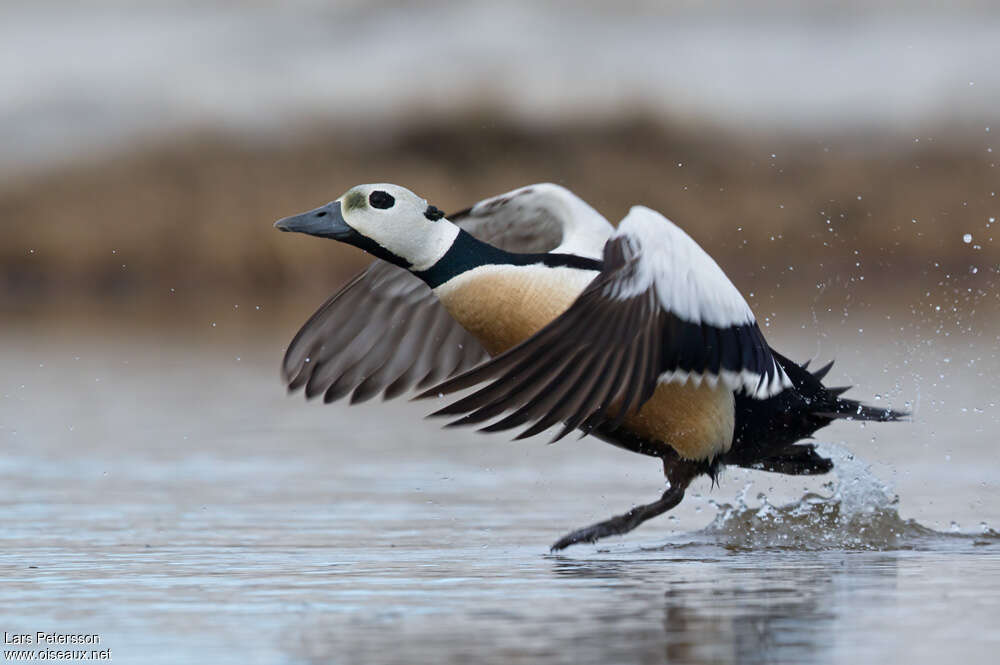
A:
661,310
543,217
382,332
385,331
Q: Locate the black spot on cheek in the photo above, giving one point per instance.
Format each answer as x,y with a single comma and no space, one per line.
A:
432,213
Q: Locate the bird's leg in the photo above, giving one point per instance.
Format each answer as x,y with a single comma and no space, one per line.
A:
679,472
622,523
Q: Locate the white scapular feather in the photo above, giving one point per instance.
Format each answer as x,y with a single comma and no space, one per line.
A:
690,284
687,280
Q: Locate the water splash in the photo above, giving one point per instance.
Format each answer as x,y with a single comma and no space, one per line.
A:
859,514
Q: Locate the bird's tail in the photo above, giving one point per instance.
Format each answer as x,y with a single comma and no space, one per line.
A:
826,401
768,432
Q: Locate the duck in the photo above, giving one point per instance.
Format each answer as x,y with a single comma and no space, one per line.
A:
548,316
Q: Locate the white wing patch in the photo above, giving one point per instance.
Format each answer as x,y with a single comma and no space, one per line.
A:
689,284
687,280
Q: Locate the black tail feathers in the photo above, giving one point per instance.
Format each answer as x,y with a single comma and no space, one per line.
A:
826,403
849,409
768,432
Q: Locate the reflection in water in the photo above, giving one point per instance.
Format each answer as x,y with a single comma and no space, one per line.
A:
743,609
713,607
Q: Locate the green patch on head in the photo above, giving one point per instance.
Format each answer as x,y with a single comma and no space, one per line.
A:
354,200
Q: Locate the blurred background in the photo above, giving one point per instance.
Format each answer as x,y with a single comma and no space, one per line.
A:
838,159
148,146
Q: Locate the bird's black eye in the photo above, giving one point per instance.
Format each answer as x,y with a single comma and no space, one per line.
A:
380,199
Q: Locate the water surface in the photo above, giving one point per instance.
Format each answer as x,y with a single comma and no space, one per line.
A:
164,493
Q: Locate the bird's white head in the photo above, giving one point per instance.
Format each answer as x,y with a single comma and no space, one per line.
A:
386,220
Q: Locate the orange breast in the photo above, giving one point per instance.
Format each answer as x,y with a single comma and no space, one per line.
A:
504,305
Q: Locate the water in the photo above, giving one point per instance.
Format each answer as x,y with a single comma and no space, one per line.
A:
160,490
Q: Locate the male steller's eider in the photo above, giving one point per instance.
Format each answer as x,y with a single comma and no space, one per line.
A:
634,335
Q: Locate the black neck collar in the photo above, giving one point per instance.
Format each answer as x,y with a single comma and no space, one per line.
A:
466,253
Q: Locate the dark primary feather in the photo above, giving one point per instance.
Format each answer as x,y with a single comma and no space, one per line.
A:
600,359
385,331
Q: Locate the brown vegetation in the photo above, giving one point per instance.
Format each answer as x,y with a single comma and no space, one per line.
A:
195,216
